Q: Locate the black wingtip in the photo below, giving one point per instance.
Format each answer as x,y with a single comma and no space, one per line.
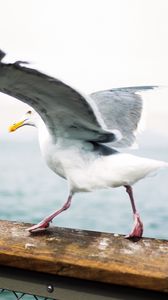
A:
17,63
20,62
2,55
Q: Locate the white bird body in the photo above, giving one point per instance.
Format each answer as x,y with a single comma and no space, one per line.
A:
112,171
86,170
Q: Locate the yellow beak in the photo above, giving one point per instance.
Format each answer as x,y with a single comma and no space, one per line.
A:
15,126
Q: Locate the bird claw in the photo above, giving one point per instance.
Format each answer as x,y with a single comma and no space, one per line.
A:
39,227
137,230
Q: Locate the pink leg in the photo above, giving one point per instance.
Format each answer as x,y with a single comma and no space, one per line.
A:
137,230
46,221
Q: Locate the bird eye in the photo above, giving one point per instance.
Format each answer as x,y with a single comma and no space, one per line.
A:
29,112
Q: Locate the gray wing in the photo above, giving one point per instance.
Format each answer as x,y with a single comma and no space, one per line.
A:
61,107
121,108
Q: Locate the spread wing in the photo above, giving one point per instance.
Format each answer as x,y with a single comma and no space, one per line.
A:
121,108
62,108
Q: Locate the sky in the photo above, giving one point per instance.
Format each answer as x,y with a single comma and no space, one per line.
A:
90,44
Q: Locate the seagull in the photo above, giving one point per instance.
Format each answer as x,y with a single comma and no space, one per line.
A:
80,135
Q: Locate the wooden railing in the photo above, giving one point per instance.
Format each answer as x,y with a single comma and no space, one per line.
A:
63,254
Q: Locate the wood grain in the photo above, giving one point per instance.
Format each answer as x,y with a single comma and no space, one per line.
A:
87,255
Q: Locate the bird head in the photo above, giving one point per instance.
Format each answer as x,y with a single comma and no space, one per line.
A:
27,119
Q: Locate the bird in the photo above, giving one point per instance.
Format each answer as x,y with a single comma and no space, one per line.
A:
81,136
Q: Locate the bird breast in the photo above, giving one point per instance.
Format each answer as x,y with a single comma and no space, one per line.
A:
65,157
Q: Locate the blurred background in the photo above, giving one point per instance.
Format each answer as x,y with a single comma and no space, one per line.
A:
91,45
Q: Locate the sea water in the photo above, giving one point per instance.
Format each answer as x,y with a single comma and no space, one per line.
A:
29,191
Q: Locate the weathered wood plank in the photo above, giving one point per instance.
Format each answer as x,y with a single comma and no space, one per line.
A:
86,255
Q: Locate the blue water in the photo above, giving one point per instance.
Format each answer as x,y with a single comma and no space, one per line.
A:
29,191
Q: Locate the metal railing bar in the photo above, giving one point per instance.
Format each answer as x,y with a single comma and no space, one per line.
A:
66,288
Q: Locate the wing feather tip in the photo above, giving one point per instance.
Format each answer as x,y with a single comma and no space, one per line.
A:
20,62
2,54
